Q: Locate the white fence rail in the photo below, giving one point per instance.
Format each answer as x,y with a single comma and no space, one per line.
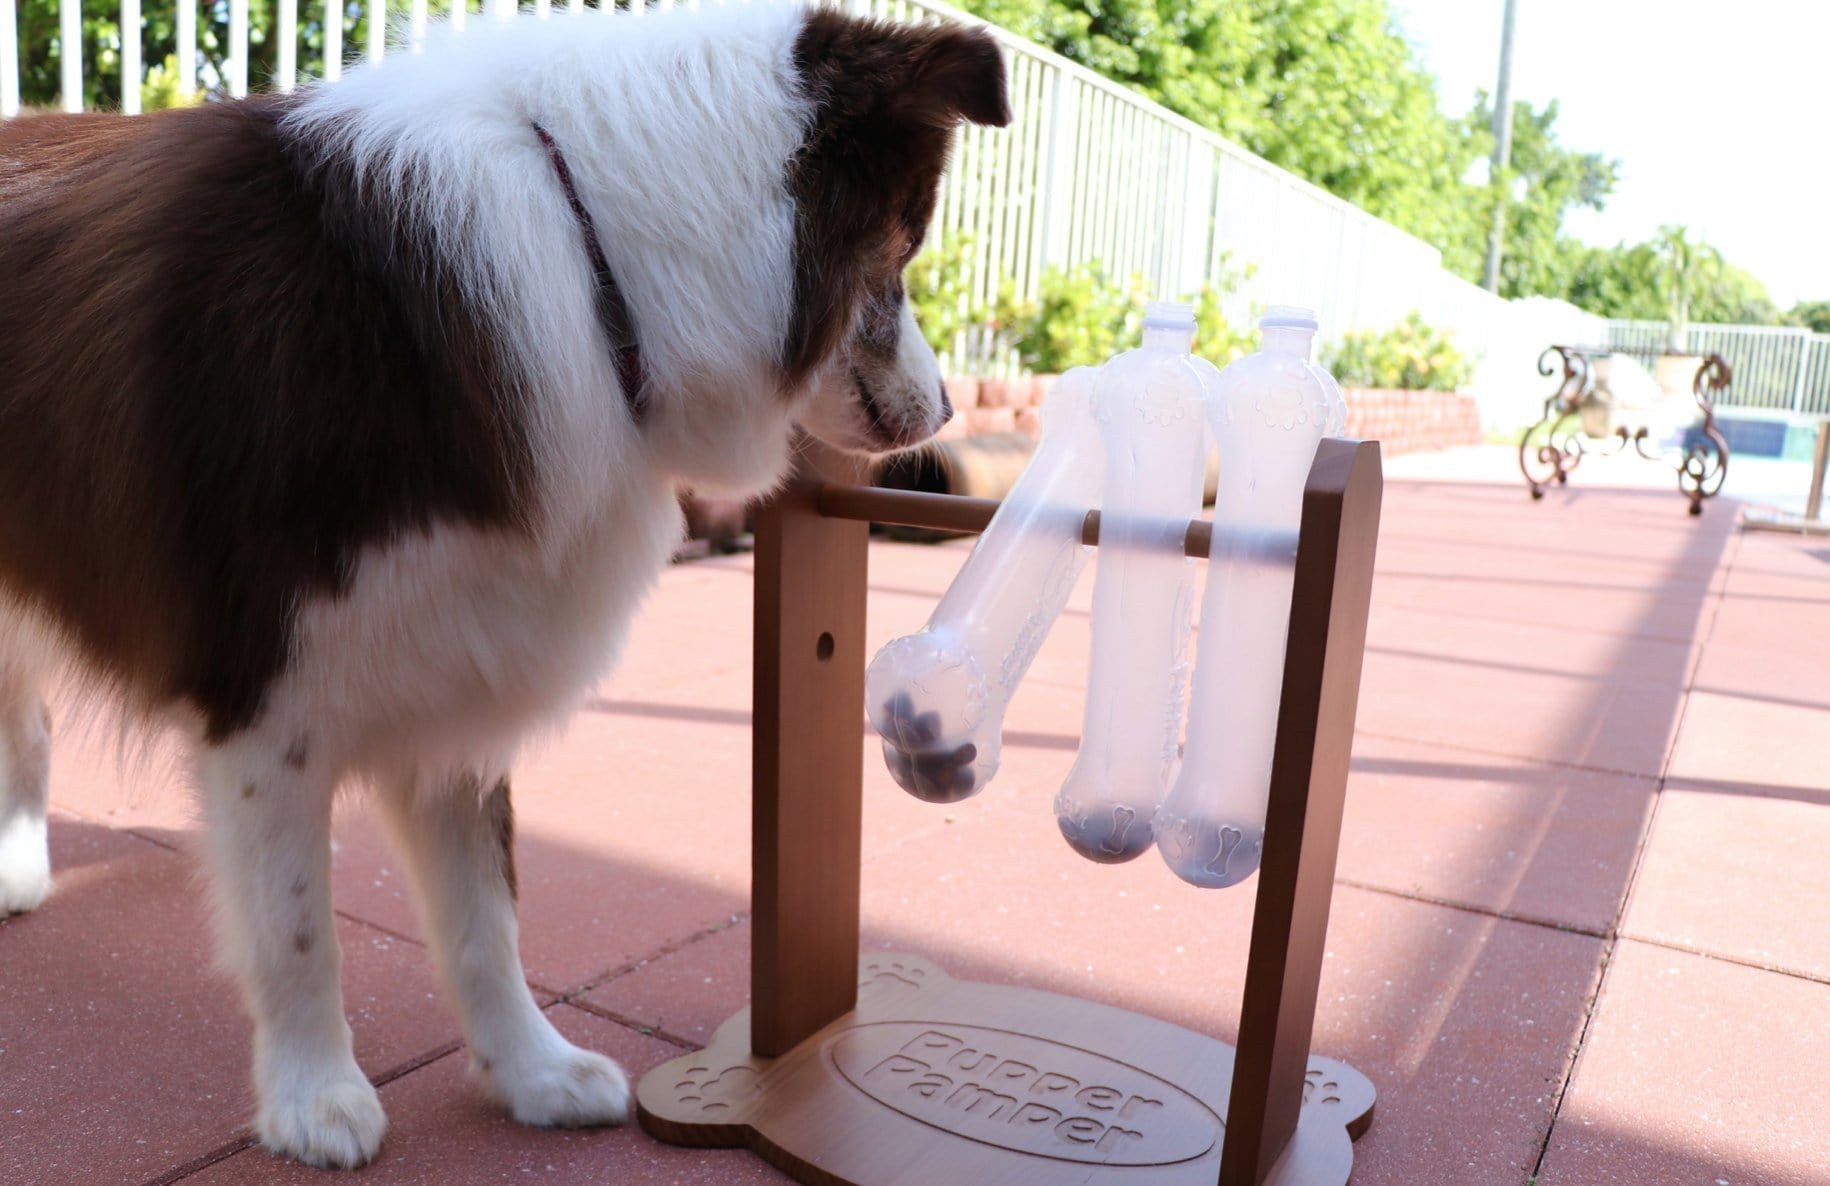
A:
1775,368
1088,172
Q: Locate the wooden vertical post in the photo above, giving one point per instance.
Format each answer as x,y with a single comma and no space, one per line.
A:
1315,720
808,781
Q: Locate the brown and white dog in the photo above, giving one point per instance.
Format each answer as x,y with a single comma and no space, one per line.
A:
342,433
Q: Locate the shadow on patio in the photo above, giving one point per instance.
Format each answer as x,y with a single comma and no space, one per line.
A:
1521,1007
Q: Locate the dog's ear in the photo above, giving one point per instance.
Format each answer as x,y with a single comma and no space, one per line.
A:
874,75
885,101
959,74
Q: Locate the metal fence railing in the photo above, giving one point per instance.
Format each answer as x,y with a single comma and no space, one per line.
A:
1088,172
1776,368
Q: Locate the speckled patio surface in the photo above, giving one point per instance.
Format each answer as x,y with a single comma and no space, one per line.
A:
1580,933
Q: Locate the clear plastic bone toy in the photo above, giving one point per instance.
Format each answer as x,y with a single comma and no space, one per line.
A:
1129,438
937,697
1148,404
1268,412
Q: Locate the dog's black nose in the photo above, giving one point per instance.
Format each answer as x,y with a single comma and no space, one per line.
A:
946,405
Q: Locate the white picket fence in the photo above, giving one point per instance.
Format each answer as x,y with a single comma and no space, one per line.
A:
1088,172
1775,368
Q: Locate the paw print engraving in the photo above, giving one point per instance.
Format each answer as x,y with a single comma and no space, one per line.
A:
1284,408
717,1093
890,973
1318,1087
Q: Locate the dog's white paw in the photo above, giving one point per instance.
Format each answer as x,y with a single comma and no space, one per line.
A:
25,865
23,890
335,1124
563,1087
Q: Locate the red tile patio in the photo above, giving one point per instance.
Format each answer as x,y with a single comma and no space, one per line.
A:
1578,936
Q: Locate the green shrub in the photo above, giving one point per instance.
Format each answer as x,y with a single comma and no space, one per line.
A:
1216,338
938,293
1411,356
1080,317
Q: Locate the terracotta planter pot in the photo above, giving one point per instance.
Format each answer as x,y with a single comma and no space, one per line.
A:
1004,393
980,421
1677,372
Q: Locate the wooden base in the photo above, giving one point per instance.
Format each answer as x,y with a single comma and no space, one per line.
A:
934,1080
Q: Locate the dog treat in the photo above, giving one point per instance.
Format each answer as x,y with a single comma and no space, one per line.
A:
937,697
1148,404
1268,412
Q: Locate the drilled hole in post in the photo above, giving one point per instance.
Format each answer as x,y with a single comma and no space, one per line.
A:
823,648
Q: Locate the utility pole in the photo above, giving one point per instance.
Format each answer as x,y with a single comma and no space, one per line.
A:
1502,148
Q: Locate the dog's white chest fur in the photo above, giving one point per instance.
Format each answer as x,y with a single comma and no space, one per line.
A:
451,647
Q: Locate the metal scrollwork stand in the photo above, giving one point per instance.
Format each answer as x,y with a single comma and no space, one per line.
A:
1552,448
1704,463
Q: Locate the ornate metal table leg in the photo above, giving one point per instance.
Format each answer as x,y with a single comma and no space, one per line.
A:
1548,452
1704,465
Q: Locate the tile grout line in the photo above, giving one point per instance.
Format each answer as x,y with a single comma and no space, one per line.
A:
631,1023
1611,943
1734,961
618,971
1544,763
197,1165
1548,924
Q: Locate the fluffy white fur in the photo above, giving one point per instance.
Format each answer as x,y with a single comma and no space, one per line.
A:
451,647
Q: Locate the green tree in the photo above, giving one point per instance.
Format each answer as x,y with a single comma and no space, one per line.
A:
1332,91
41,49
1545,182
1814,315
1671,278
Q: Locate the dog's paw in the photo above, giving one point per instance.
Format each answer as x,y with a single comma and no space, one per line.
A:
333,1125
564,1087
25,866
23,890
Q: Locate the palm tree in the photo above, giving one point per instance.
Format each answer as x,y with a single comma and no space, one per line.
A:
1685,270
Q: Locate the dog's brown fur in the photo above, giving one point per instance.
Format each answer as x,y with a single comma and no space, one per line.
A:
182,470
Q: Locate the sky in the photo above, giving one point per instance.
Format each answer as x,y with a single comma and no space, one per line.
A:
1718,111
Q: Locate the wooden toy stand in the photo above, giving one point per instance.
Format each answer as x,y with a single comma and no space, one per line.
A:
887,1072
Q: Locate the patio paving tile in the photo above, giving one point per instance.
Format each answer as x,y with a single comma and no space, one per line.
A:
1771,624
1778,564
1738,872
121,1052
1518,654
1502,648
1696,1070
1452,1014
443,1132
1515,838
632,831
1672,616
1622,726
1784,748
1785,673
695,625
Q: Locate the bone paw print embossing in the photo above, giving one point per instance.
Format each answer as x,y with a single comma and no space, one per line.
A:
1122,819
717,1091
1318,1088
882,973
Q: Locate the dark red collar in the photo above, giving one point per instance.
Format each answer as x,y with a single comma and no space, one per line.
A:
612,309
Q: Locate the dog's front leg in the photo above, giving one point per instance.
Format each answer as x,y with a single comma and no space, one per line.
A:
457,839
268,811
25,757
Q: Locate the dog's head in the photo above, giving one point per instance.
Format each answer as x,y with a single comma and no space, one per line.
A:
886,100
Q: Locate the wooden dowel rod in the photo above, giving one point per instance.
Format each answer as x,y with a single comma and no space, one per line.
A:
952,512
